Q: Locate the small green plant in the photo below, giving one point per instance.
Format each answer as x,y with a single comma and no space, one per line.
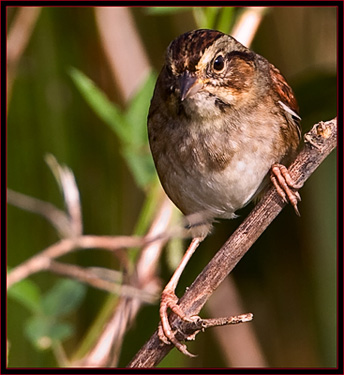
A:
47,326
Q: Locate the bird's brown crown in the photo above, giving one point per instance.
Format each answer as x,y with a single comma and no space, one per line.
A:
186,51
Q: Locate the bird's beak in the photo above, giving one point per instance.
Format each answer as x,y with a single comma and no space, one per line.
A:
189,85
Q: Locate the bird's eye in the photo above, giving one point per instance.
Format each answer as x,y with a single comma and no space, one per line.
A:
219,63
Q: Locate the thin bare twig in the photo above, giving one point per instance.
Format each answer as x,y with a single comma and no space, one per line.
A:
246,26
123,48
191,329
94,278
42,260
319,142
66,180
68,224
107,348
58,218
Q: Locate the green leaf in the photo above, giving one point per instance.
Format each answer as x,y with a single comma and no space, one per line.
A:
64,297
44,331
200,17
136,115
27,293
211,14
166,10
137,153
101,105
130,127
142,166
226,18
149,207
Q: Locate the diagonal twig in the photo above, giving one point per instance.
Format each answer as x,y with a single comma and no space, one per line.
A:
319,142
41,261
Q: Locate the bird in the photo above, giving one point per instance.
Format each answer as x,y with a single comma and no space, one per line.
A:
223,124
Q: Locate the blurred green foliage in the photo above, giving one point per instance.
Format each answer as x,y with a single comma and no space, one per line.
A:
129,126
46,326
288,279
219,18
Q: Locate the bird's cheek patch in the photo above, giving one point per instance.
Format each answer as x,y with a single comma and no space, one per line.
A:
240,75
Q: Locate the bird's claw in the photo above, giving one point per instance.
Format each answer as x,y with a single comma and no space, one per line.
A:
165,333
285,186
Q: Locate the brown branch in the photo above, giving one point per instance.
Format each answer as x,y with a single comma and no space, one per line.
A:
191,329
216,322
319,142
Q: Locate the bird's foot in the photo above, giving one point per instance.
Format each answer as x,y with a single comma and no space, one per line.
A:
166,335
285,185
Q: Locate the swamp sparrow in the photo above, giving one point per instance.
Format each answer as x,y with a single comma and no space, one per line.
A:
222,120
